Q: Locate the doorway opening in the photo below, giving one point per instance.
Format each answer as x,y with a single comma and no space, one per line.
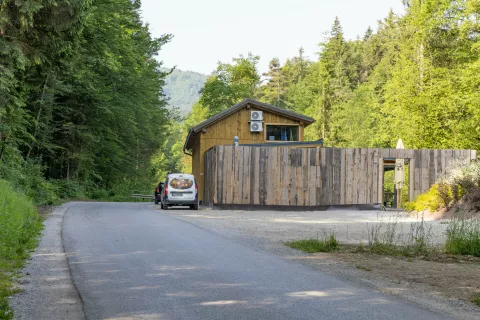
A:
392,197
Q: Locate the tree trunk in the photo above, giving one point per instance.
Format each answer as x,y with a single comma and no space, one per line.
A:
37,119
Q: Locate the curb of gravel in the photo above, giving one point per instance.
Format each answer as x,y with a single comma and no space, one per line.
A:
47,288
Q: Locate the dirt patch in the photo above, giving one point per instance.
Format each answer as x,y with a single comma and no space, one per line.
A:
448,276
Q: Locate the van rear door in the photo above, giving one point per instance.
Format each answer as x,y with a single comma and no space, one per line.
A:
181,187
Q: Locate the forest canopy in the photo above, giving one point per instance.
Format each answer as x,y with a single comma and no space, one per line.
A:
81,100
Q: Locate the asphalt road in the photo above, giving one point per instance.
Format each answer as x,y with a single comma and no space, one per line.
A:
129,261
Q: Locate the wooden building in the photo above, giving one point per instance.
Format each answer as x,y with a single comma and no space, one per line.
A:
254,123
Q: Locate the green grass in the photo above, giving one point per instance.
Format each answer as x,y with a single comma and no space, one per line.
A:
387,238
463,236
20,228
324,244
476,299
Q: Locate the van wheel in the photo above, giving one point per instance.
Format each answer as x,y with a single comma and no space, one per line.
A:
156,201
165,207
161,205
195,206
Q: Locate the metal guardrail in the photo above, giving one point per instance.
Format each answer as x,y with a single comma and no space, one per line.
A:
142,196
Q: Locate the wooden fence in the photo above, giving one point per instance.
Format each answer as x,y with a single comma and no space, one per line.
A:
279,176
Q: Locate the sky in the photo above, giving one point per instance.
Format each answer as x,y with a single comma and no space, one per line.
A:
208,31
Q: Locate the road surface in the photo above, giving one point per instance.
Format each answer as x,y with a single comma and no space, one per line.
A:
129,261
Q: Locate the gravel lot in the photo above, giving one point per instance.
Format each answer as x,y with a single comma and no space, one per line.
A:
427,283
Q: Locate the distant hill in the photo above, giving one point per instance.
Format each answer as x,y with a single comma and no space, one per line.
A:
182,88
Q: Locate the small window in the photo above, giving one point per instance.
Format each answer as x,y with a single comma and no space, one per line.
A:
282,133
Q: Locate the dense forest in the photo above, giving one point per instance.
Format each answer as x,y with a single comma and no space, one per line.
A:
182,89
82,112
415,78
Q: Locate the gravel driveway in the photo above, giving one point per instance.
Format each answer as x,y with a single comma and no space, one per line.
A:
349,226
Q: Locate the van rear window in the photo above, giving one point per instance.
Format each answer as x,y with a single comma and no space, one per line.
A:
181,183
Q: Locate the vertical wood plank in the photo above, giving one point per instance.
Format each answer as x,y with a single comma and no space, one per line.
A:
375,177
228,177
318,178
271,181
438,164
342,175
362,181
312,183
240,170
330,168
369,173
299,178
425,185
417,172
324,175
411,180
336,175
293,186
262,182
431,168
380,180
248,181
221,175
278,176
349,171
306,176
286,176
356,164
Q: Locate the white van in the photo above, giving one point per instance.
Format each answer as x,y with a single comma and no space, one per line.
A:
180,190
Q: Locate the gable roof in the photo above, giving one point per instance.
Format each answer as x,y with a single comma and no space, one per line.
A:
260,105
254,103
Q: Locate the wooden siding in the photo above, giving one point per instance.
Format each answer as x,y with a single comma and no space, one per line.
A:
223,132
315,176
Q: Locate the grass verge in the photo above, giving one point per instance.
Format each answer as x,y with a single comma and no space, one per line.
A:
463,235
327,243
399,239
20,228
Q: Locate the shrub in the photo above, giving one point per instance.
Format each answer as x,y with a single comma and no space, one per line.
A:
433,200
327,243
69,189
28,177
460,185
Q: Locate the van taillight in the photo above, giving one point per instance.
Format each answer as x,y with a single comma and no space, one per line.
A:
166,190
196,188
157,190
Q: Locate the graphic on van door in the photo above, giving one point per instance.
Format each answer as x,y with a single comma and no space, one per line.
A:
181,183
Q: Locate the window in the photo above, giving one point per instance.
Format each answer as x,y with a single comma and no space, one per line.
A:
282,133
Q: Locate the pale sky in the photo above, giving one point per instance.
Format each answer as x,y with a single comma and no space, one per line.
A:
208,31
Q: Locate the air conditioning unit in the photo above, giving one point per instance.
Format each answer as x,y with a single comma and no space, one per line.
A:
256,126
256,115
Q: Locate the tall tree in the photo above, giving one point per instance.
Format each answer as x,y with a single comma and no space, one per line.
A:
230,83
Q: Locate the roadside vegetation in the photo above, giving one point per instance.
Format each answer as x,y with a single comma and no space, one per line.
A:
20,227
396,238
326,243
